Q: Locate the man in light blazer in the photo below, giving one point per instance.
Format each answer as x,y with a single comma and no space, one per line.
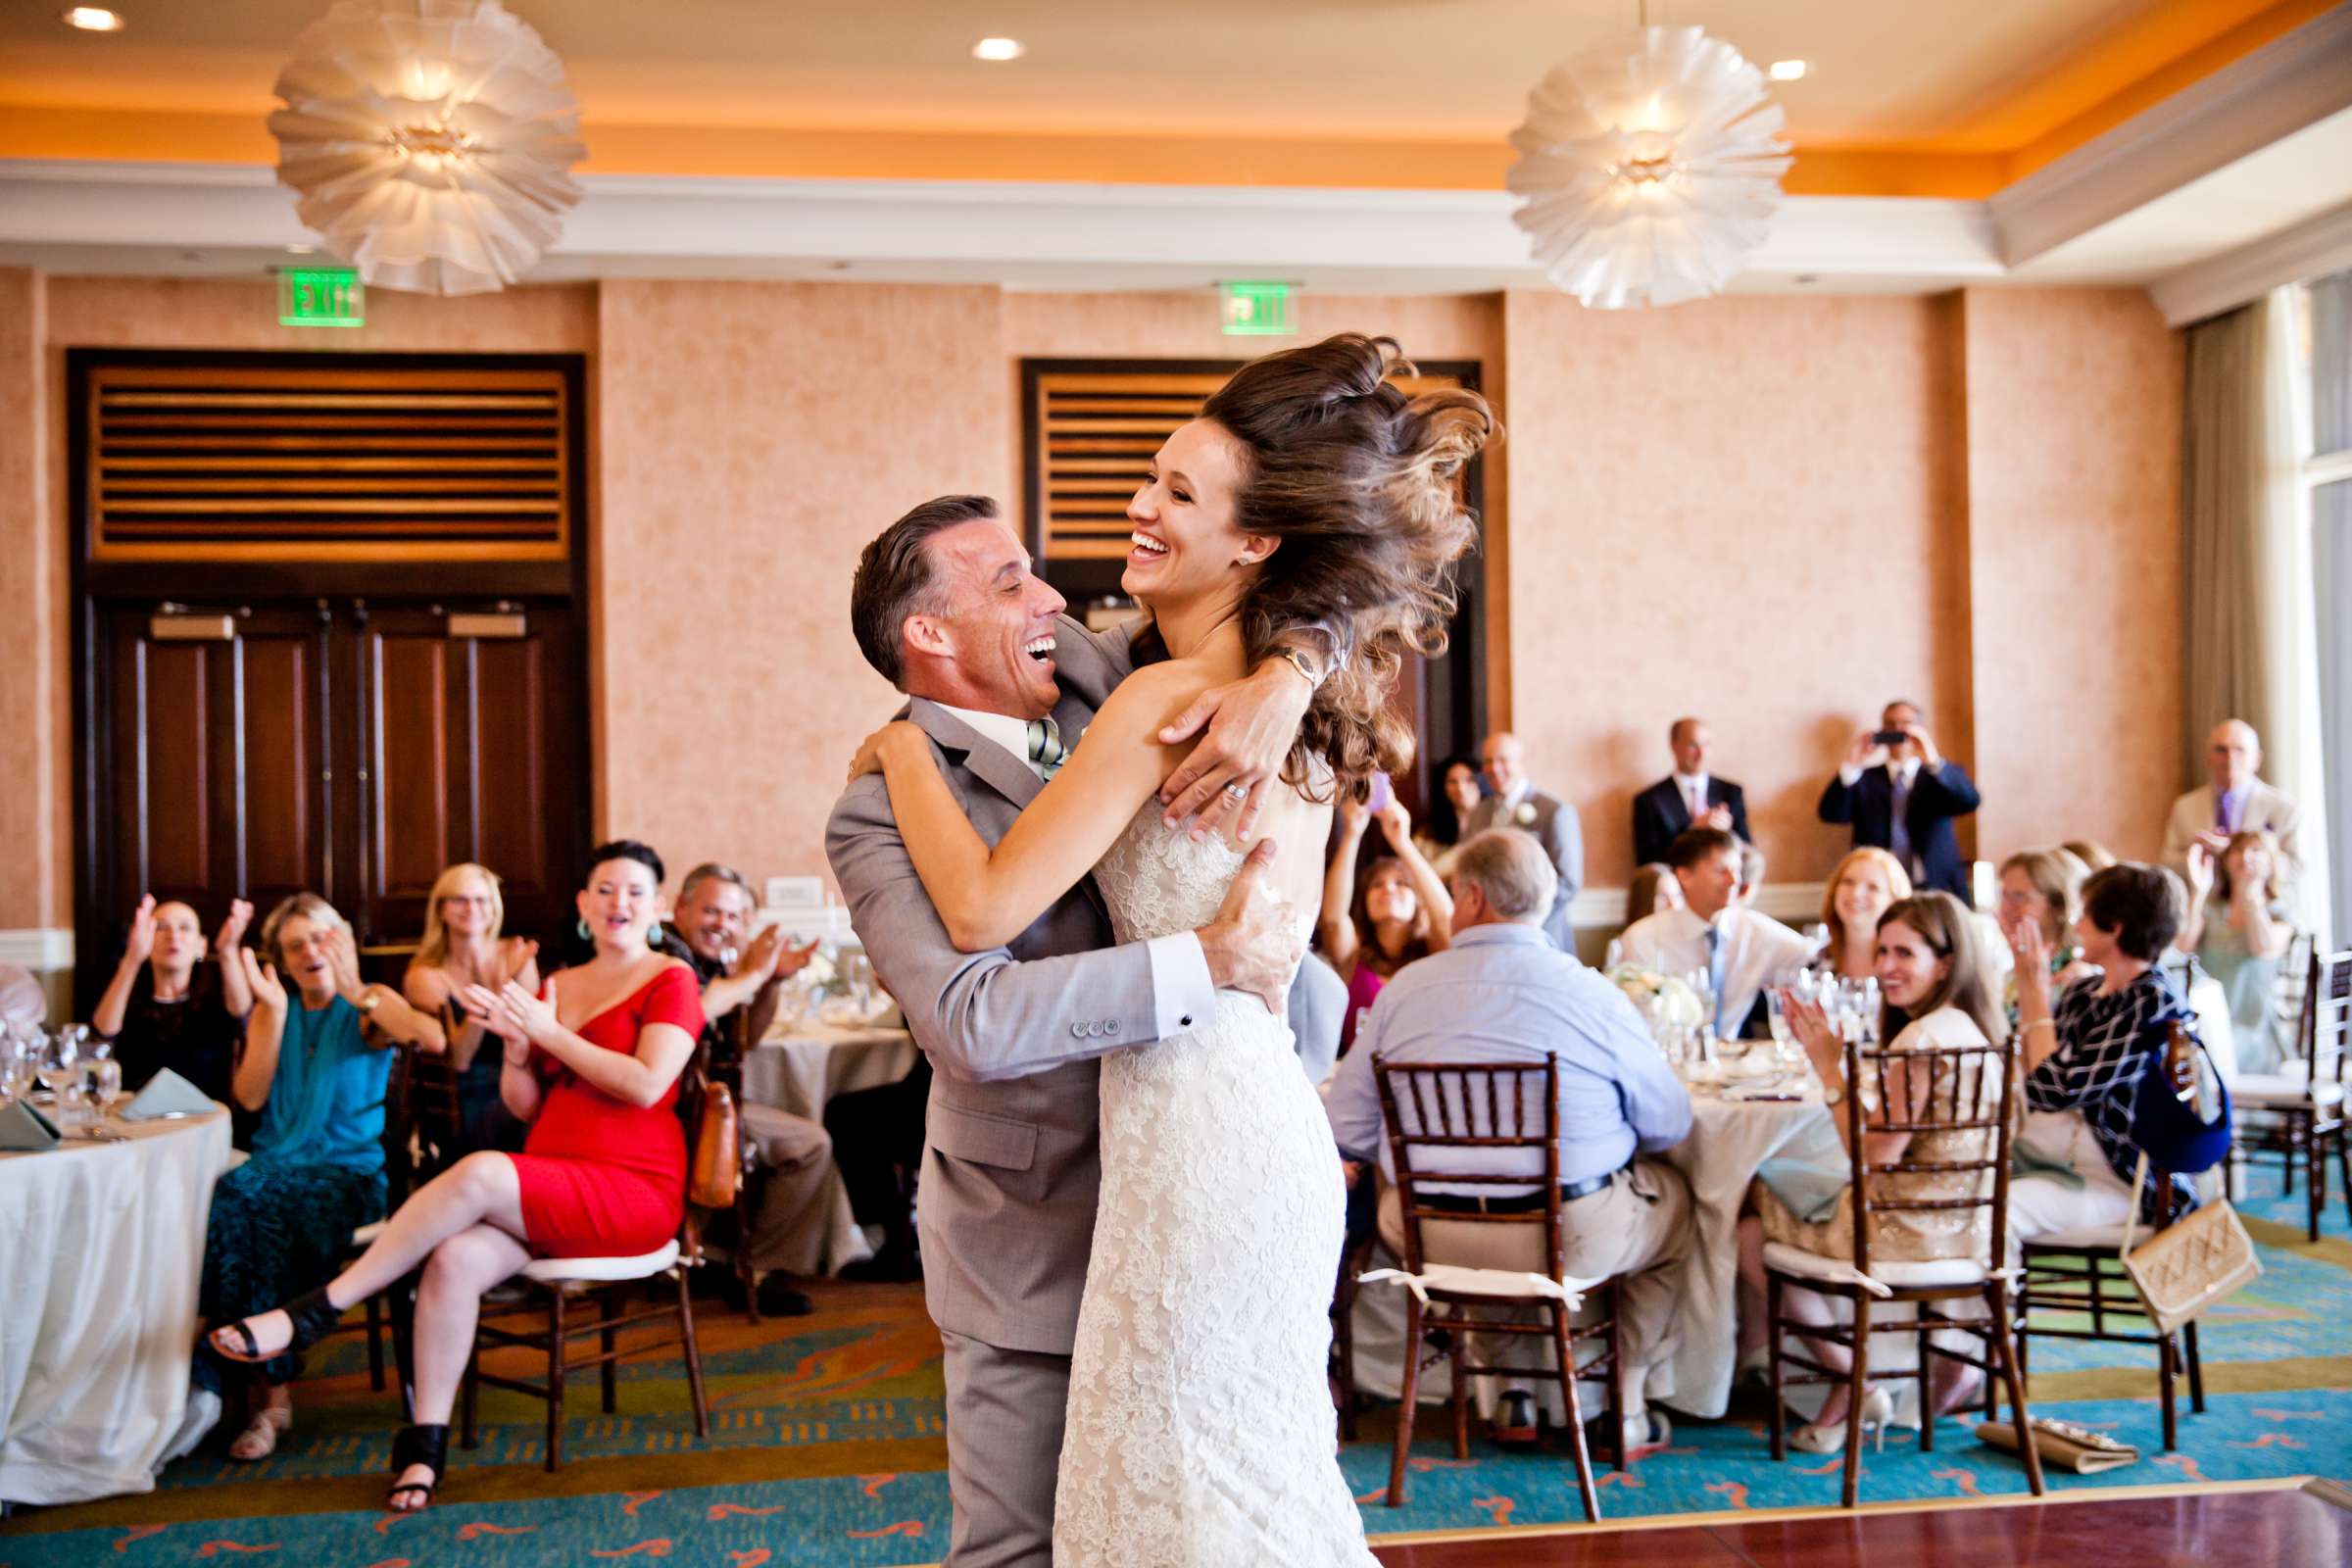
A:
946,609
1664,810
1513,801
2235,801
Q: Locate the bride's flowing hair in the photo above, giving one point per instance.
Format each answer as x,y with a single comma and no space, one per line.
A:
1358,481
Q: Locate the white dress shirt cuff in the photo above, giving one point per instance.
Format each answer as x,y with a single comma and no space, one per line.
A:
1849,775
1182,994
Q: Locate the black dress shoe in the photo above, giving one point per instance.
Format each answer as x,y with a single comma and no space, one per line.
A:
1515,1419
777,1298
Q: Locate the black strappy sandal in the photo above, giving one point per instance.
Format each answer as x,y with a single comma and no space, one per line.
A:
312,1314
415,1446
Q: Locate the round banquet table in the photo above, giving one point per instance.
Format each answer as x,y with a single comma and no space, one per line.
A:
799,1068
103,1245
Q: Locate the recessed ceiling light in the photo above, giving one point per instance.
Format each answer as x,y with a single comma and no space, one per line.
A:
998,49
301,250
94,19
1788,70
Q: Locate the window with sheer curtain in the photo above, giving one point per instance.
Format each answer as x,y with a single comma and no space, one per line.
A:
2323,344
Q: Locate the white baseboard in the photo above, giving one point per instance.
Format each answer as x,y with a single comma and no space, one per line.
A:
1796,902
41,951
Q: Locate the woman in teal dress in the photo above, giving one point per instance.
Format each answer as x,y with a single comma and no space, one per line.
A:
2240,928
314,1068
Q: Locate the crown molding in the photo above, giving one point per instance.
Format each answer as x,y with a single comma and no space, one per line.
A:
2310,249
2292,81
235,219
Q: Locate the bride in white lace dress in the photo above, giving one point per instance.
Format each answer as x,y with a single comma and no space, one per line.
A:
1310,493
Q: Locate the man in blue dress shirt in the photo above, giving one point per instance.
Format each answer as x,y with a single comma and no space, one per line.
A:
1502,993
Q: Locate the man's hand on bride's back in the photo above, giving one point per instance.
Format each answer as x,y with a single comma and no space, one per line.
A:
1255,941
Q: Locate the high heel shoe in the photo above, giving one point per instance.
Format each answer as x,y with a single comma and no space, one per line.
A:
1828,1436
309,1315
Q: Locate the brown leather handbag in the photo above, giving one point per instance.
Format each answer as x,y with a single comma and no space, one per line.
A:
717,1168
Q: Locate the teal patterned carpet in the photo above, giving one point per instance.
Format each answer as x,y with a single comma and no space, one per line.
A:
827,1449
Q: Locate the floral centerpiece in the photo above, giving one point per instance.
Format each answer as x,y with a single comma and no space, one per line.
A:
1666,1001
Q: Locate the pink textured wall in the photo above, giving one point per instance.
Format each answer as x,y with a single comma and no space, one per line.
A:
32,608
756,436
1773,511
2074,485
1741,510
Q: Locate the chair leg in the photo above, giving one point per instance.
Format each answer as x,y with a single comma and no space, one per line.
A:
2002,1345
1411,1394
694,1358
2316,1193
1926,1386
1772,1362
375,1342
2167,1358
1612,1299
1457,1353
606,1340
1564,1347
2196,1368
469,1394
1857,1384
554,1378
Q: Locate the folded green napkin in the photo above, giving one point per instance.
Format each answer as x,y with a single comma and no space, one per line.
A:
166,1093
23,1128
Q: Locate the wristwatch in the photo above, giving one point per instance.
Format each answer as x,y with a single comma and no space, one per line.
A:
1832,1094
368,1001
1305,667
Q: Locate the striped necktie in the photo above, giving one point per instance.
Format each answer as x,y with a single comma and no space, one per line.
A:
1045,752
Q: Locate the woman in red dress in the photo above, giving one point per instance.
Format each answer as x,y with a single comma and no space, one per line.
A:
593,1065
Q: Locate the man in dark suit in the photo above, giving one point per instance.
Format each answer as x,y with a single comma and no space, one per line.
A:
1901,797
1689,797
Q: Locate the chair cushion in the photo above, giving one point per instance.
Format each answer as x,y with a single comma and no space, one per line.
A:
1797,1261
563,1271
2279,1090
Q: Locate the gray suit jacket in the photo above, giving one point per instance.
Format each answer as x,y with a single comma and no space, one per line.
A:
2264,807
1557,828
1011,1168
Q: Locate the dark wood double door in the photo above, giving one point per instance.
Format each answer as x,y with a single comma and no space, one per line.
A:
350,746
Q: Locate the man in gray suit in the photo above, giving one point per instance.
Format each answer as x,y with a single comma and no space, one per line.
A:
1513,801
946,607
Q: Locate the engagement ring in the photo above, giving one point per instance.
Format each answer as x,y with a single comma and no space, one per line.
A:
1237,792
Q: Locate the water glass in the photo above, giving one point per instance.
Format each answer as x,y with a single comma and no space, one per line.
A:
102,1078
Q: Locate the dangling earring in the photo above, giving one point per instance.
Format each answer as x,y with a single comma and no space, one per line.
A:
653,935
586,935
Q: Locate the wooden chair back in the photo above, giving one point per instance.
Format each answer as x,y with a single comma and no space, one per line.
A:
2324,1031
1436,1112
1943,1090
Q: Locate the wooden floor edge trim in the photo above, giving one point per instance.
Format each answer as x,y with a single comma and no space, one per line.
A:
2335,1494
1730,1516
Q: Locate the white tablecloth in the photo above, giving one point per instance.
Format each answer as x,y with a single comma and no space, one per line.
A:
101,1248
801,1066
1729,1141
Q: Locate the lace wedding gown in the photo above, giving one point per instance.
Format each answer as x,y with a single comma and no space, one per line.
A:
1200,1429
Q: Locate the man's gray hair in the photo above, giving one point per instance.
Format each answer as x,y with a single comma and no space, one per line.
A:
1512,870
712,871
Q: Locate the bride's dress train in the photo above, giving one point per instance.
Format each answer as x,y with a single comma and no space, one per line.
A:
1200,1429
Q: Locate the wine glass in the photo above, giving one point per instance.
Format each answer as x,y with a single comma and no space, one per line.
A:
103,1082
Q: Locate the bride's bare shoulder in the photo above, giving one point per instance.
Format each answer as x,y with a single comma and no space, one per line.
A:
1154,695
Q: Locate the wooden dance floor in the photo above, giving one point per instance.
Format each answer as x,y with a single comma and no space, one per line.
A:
2308,1526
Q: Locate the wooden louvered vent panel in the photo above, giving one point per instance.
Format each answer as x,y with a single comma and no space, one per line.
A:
1095,432
340,463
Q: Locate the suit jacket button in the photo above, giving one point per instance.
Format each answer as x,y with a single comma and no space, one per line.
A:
1113,1026
1078,1031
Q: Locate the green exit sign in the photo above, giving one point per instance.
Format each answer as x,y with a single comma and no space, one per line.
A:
320,296
1258,310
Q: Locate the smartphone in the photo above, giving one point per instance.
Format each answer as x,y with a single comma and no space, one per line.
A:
1384,793
1891,737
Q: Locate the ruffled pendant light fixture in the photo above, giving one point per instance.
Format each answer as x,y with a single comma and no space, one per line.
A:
431,141
1651,173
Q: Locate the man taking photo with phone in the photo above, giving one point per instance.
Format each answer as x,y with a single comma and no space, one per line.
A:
1901,796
